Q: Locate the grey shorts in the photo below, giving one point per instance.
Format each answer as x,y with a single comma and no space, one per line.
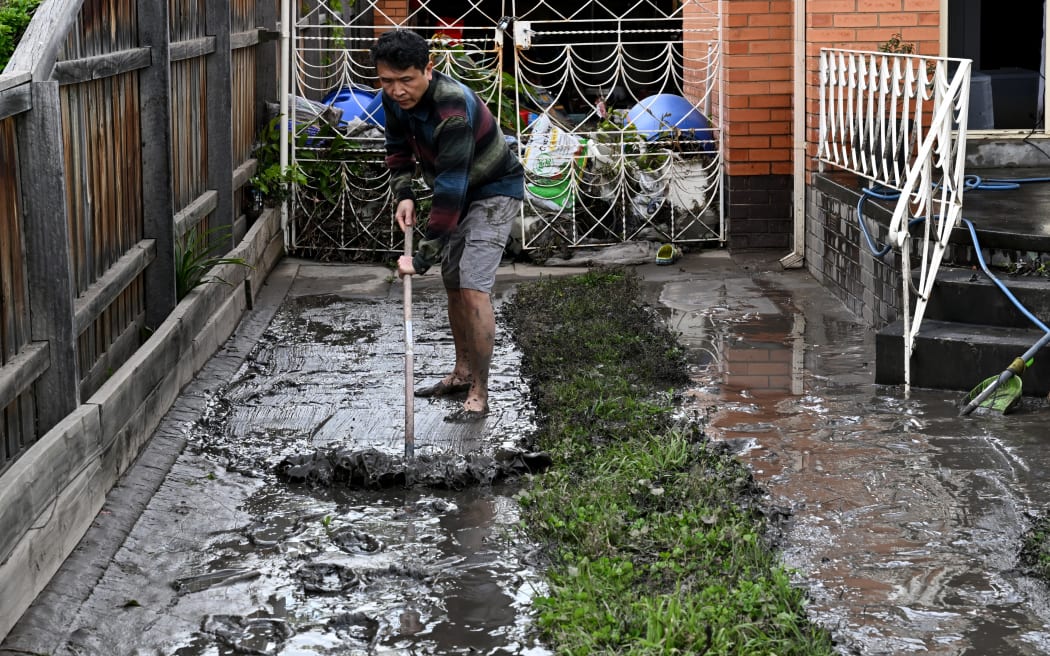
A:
473,252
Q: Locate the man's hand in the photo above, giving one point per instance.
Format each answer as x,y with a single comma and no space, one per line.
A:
404,266
406,214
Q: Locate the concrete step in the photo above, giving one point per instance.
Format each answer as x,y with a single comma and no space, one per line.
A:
958,356
970,296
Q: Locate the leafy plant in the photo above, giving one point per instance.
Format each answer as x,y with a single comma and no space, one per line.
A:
275,184
197,252
897,45
270,180
14,19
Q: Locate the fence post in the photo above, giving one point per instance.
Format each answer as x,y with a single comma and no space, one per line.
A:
266,62
157,196
220,121
49,264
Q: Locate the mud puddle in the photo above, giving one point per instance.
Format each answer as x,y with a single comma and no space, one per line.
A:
906,518
231,557
382,554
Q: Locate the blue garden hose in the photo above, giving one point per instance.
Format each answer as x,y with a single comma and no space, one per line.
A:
878,252
998,283
973,183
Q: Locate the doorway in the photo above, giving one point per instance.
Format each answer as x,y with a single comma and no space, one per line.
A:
1006,42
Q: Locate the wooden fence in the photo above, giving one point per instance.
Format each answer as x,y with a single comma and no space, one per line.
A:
124,125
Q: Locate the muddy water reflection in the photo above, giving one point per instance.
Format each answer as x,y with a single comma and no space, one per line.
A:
906,517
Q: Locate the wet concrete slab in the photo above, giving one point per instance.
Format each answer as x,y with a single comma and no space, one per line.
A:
204,549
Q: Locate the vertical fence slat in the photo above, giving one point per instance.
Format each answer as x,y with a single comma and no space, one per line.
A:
12,280
220,139
154,111
49,268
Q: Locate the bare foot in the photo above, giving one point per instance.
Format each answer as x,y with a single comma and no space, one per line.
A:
455,379
473,409
475,404
450,384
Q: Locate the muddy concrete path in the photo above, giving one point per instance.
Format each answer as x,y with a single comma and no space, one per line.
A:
250,546
905,518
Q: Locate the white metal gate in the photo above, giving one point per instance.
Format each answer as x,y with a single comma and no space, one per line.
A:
614,105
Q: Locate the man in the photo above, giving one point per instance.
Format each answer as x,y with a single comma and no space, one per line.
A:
478,185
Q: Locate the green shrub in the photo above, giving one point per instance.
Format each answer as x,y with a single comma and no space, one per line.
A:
14,18
196,253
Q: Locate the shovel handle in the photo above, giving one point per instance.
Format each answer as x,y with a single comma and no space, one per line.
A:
410,438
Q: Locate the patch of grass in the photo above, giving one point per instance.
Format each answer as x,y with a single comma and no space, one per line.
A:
656,539
1035,549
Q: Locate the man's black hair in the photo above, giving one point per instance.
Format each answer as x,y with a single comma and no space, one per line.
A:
401,50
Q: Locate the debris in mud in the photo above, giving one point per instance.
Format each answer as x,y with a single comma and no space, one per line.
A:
352,540
330,578
355,626
209,579
374,469
248,635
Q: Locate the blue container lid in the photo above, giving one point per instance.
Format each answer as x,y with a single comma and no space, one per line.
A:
358,102
666,111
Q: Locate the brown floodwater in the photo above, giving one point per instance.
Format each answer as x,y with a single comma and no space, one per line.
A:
906,519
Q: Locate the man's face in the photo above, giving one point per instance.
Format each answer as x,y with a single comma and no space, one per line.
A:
405,87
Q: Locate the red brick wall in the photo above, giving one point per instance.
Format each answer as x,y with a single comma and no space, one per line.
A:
759,66
758,74
759,87
862,25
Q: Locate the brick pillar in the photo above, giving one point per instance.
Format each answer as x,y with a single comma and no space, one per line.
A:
393,13
757,122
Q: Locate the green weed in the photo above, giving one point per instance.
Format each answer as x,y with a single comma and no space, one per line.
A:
1035,549
196,253
14,19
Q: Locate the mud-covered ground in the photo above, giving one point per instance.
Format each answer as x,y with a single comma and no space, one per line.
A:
905,518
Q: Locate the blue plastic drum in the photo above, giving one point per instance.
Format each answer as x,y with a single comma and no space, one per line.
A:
666,112
357,102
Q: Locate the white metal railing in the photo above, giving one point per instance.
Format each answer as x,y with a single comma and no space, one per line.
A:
900,121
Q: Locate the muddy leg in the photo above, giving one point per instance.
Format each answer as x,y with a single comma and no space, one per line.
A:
458,321
477,324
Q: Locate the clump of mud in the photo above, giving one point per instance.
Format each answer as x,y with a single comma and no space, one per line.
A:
373,469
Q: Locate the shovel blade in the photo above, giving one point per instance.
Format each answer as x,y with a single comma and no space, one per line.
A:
1003,399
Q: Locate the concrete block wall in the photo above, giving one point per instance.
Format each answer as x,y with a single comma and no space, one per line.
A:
760,211
839,257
